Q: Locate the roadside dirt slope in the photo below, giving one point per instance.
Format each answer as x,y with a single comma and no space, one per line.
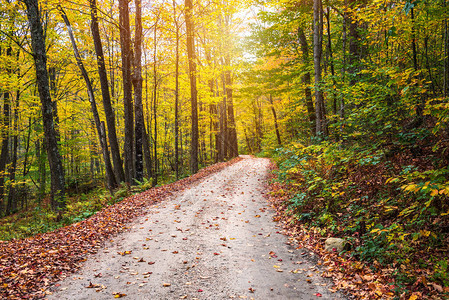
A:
215,240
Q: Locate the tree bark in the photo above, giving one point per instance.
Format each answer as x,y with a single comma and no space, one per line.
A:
232,132
305,79
155,98
224,116
353,43
331,60
276,126
40,61
12,199
125,43
446,56
107,105
176,92
321,126
190,31
5,134
137,81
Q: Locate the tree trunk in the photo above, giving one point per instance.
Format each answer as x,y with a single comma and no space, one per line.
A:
155,87
147,154
107,105
40,60
220,140
12,199
331,60
176,91
125,43
110,177
232,132
321,126
224,116
276,127
137,81
5,134
214,123
42,171
353,43
446,56
190,31
305,79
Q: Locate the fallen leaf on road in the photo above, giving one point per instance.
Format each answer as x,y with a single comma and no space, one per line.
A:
118,295
92,286
166,284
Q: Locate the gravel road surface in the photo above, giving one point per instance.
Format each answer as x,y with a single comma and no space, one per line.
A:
215,240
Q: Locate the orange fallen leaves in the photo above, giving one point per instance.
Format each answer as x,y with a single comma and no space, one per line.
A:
29,266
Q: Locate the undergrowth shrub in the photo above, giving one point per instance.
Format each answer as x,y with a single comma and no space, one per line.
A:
392,205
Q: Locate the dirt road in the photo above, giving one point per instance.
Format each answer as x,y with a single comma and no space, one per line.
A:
216,240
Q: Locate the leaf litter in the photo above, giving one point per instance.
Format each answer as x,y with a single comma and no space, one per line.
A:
29,266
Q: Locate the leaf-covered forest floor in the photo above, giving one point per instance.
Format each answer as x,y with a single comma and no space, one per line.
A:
28,266
390,205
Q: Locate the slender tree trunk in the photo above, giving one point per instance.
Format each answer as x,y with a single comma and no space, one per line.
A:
305,79
42,171
353,43
321,126
147,131
220,133
232,132
12,199
176,92
40,60
248,143
107,105
155,87
343,67
276,127
110,177
27,148
214,126
446,57
5,134
147,154
331,59
138,106
125,42
190,31
420,103
224,115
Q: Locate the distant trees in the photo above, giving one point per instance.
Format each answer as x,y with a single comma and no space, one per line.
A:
380,71
133,55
